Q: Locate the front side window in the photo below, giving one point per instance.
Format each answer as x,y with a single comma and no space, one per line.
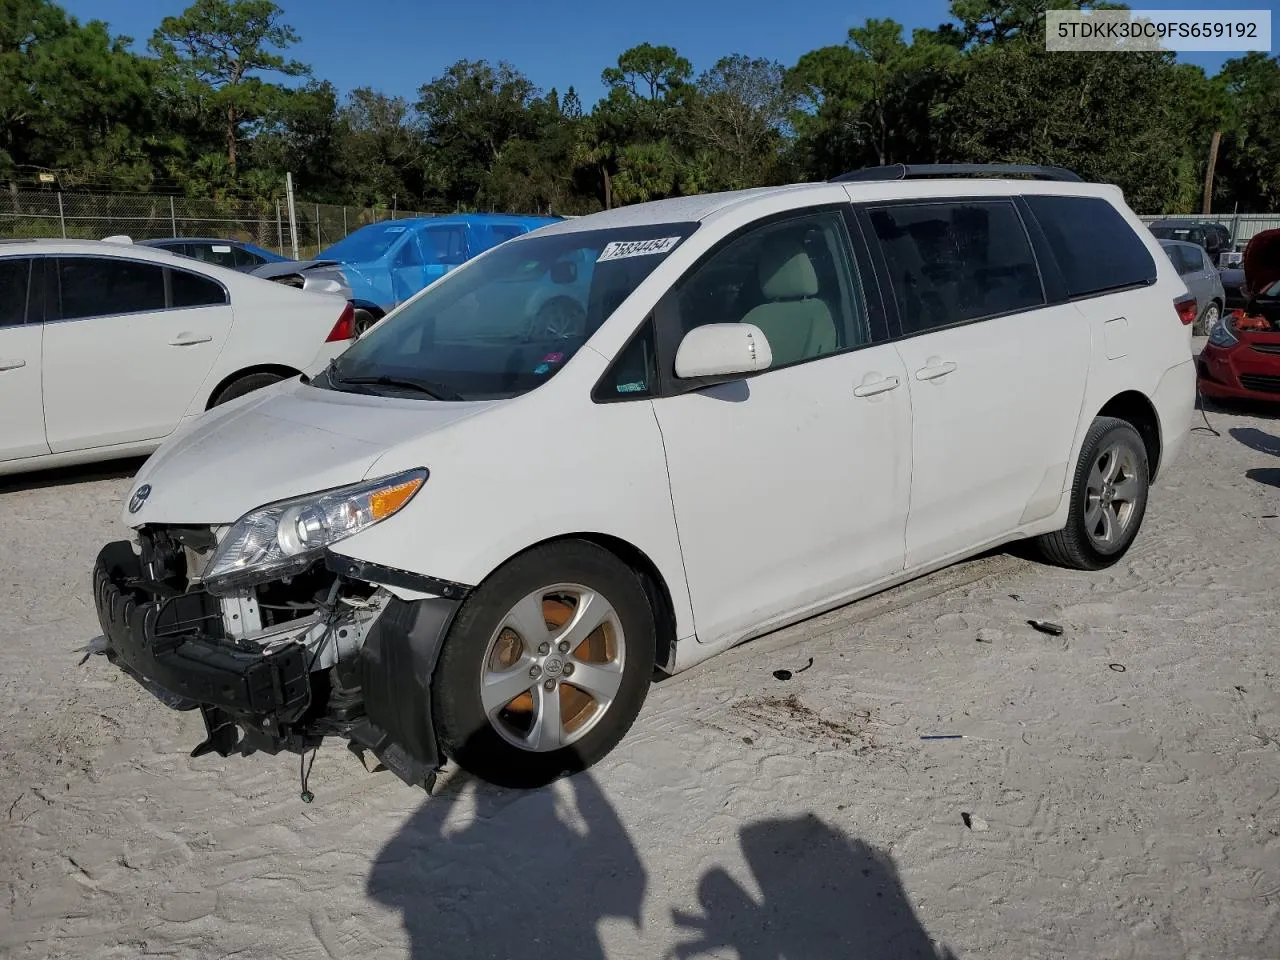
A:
99,286
409,254
508,321
14,274
446,245
794,279
953,262
634,374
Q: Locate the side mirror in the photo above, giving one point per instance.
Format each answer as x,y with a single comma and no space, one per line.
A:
564,272
722,349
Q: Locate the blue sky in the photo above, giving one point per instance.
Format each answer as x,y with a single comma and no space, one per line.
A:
397,45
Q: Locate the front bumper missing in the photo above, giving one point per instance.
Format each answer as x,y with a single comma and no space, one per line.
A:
264,698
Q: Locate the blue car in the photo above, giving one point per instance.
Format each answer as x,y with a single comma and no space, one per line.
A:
386,263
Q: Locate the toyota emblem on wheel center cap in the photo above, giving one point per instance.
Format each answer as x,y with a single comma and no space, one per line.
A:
139,498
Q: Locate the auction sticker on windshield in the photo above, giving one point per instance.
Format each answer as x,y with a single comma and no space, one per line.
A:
619,249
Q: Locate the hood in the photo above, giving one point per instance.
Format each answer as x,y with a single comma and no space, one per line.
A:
276,443
1262,260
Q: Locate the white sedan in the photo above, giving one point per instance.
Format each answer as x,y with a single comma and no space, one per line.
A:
106,348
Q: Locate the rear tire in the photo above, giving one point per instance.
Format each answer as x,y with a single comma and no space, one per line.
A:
1208,320
490,704
363,319
1108,499
245,384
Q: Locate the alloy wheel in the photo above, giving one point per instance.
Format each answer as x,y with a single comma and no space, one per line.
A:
553,667
1111,495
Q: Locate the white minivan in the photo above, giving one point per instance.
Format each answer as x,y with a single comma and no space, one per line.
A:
477,536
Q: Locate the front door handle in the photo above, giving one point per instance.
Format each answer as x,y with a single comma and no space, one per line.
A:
188,340
934,370
12,364
869,388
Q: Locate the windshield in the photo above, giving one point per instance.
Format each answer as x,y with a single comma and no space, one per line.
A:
509,321
367,243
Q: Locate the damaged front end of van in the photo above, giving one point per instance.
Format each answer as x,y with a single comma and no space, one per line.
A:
275,638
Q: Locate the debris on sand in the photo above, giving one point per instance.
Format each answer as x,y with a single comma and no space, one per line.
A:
1047,626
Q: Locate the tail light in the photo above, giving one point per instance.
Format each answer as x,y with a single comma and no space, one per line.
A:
345,328
1186,307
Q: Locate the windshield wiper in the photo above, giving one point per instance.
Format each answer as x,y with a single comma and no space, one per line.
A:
436,391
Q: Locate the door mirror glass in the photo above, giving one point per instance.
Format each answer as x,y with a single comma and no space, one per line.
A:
722,349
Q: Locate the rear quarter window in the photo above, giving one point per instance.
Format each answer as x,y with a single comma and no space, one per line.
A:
1094,245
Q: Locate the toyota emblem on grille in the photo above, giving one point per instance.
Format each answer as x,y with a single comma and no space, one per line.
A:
139,498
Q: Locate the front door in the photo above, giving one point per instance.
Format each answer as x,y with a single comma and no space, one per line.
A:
789,487
125,358
21,334
996,375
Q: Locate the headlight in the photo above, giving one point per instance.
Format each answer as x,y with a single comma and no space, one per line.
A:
1221,335
286,537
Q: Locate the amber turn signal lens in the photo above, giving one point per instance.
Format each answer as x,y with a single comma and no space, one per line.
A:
386,502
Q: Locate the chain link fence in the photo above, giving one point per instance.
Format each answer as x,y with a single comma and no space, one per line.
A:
27,214
30,214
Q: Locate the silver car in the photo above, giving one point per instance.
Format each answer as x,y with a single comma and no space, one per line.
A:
1202,279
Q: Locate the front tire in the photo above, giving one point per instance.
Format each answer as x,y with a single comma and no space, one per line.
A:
546,665
1108,499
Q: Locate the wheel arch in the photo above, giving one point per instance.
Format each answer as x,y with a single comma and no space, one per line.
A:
655,585
1136,409
279,369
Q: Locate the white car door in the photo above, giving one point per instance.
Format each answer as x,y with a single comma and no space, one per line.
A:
21,330
129,350
789,487
996,375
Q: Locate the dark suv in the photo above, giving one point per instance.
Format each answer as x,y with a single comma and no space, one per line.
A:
1213,236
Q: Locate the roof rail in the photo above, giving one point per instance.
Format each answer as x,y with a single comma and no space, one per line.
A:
902,171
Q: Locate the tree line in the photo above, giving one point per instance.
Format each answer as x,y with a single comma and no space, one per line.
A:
214,107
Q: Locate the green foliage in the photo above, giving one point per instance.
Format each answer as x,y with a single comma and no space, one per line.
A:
215,54
216,108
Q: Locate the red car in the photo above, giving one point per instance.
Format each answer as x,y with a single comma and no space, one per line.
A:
1242,358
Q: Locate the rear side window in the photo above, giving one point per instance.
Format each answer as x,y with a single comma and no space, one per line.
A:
98,286
1095,247
953,262
1178,257
13,291
193,290
244,258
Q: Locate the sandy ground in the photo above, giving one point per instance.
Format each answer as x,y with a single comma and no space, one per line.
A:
1120,782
